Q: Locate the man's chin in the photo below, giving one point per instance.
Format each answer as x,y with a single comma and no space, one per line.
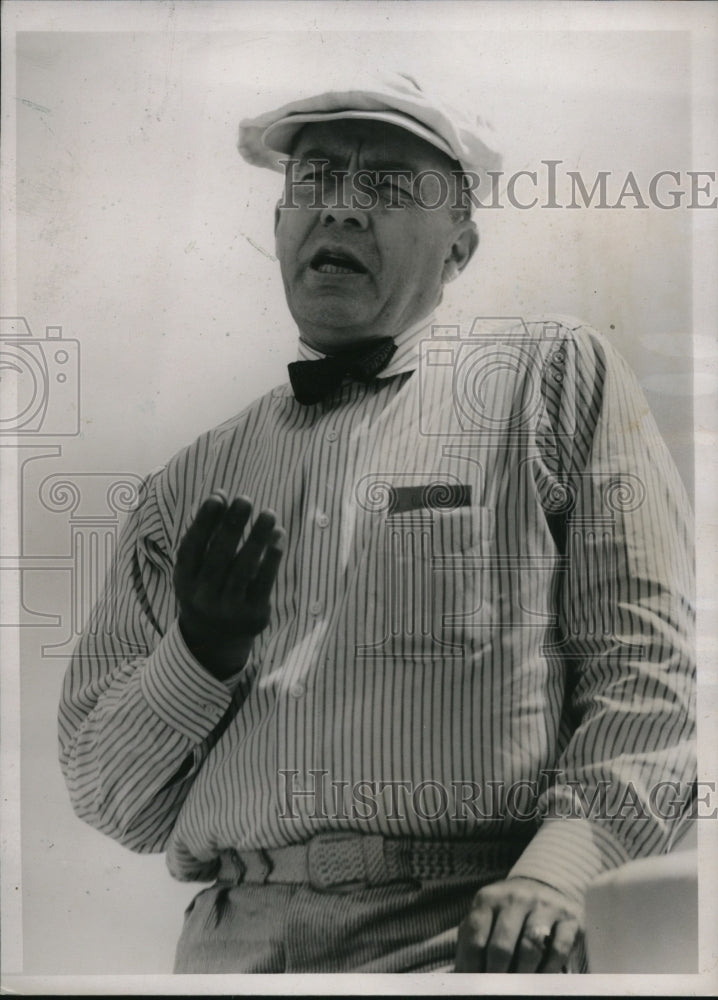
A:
340,306
336,323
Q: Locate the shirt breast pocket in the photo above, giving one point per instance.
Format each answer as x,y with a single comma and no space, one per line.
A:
428,566
463,529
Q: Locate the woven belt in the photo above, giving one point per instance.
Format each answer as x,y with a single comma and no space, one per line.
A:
359,860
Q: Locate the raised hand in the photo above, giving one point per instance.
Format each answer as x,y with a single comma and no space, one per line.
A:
223,588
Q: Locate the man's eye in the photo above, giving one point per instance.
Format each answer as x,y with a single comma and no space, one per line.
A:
311,175
394,189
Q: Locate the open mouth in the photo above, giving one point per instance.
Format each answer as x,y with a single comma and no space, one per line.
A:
336,262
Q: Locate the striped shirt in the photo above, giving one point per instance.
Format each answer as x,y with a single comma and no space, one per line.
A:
483,618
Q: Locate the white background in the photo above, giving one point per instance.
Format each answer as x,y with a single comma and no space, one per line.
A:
144,235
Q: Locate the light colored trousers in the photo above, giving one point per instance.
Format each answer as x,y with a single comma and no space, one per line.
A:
401,927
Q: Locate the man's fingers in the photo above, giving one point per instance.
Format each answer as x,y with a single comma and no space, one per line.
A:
222,546
518,925
474,932
263,582
536,937
505,937
564,938
247,560
190,554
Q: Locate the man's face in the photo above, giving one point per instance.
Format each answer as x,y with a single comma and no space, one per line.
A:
355,273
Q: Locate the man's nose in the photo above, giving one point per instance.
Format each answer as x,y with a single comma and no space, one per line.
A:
344,215
340,207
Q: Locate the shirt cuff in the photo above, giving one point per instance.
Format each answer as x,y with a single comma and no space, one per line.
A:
180,691
568,854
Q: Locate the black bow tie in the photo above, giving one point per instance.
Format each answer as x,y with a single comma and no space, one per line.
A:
313,380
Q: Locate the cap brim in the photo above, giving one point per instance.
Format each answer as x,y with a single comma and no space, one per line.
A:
280,135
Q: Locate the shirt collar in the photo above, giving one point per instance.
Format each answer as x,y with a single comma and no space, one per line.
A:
408,347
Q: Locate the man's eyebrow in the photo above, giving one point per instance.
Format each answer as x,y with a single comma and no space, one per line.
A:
315,154
385,164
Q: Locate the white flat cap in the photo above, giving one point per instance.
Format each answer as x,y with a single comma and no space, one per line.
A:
396,99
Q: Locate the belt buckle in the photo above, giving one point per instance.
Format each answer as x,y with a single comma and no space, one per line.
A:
334,859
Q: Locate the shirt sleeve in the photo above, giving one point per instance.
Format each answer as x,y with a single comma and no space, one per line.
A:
137,713
622,783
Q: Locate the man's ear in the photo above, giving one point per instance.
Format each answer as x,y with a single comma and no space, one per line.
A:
461,251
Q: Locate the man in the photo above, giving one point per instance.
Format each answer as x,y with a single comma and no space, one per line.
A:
403,719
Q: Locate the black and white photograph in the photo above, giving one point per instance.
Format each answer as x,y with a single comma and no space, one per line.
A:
357,583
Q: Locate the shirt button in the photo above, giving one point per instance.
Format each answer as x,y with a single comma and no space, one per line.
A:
315,608
297,690
322,520
332,435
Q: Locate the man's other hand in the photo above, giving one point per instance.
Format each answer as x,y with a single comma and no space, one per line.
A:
518,925
223,588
